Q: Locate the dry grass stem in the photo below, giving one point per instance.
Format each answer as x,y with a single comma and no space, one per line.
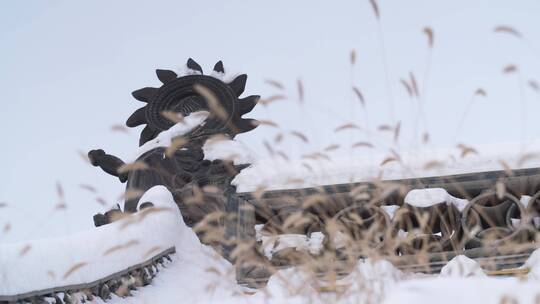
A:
429,33
119,128
300,136
375,8
212,102
359,95
120,247
24,250
347,126
74,268
271,99
300,87
511,68
269,123
388,160
88,188
275,84
176,144
138,165
508,30
173,117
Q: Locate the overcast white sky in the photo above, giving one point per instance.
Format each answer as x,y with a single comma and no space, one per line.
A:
67,69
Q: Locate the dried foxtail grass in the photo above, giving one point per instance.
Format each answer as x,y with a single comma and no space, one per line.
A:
282,155
61,199
433,164
385,128
527,157
74,268
347,126
466,150
294,181
138,165
359,95
176,144
51,274
430,36
375,8
332,147
533,84
212,101
500,190
264,122
88,188
60,191
362,144
397,131
308,167
507,30
506,167
509,69
407,87
388,159
316,156
120,247
300,136
258,194
84,157
278,138
130,219
119,128
173,116
300,88
24,250
414,85
276,84
102,201
130,194
271,99
480,92
269,148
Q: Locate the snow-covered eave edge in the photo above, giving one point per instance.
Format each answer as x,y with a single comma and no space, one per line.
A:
120,245
376,180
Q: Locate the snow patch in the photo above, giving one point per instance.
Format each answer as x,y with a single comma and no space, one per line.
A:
524,200
533,263
390,210
462,266
450,290
272,244
432,196
226,77
165,138
227,149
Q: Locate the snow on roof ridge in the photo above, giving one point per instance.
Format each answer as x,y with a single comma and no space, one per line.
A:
275,173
